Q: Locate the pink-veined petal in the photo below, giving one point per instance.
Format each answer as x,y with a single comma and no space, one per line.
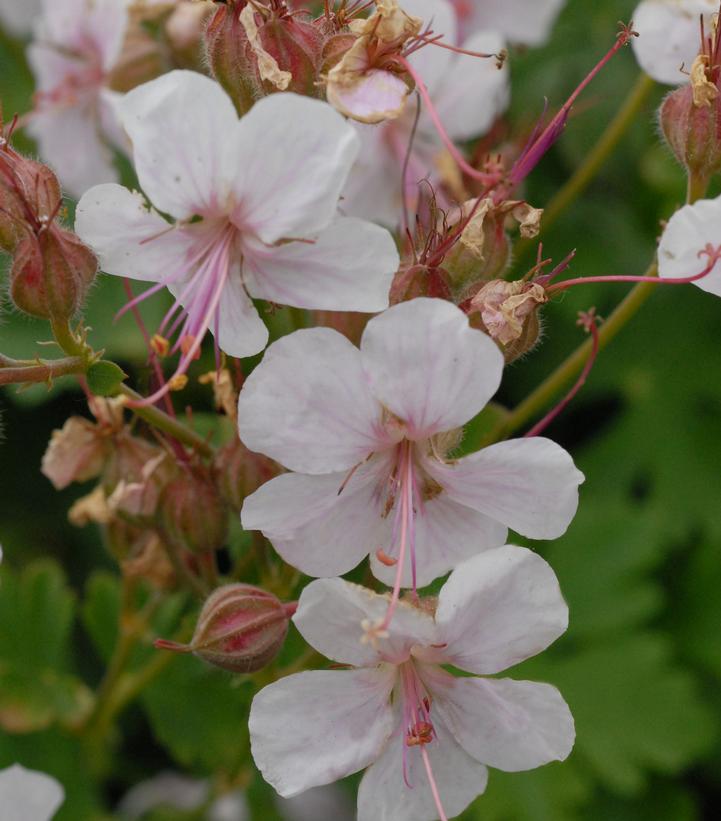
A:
181,126
499,609
314,526
669,36
384,796
687,233
348,267
428,366
446,534
316,727
71,141
330,613
308,406
506,724
303,151
28,795
433,62
130,239
241,331
529,485
521,21
475,91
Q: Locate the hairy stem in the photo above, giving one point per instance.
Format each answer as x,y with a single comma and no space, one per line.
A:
12,372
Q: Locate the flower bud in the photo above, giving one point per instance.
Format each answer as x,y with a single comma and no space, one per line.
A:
420,280
230,55
51,274
240,472
508,313
192,513
692,131
241,629
295,47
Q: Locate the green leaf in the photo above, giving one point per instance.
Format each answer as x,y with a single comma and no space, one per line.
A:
37,688
201,715
105,378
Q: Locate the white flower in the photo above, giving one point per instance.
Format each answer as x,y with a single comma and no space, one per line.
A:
398,712
365,432
17,15
26,795
468,94
521,21
670,36
690,242
241,193
76,45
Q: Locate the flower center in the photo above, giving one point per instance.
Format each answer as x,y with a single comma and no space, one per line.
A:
198,286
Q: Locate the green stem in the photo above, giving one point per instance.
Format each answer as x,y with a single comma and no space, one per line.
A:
68,341
545,393
42,371
160,420
596,158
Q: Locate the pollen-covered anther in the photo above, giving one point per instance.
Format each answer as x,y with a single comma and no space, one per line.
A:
421,733
177,382
160,345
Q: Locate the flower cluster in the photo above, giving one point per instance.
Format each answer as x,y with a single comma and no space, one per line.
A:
340,166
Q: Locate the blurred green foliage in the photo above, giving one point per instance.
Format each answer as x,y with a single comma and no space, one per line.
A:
640,567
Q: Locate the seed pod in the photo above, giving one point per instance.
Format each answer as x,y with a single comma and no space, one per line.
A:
241,629
192,513
230,55
240,472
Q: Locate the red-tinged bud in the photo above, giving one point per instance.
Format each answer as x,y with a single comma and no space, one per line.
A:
693,130
334,49
192,512
230,56
348,323
241,629
51,274
240,472
420,280
296,48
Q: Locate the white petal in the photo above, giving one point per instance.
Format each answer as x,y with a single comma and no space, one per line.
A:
71,141
530,485
506,724
475,91
27,795
18,17
314,527
302,151
521,21
348,267
428,366
446,534
384,796
316,727
129,239
499,609
182,127
329,617
307,405
432,62
373,190
670,36
241,331
688,232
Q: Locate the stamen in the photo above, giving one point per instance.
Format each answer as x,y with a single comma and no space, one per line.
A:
432,783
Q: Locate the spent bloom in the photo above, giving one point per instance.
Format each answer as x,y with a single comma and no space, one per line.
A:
27,795
669,34
468,93
368,435
76,45
425,735
253,203
690,242
528,22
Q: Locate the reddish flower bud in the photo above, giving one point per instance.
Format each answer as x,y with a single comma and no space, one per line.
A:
230,55
51,274
241,629
296,48
420,280
240,472
192,512
692,131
